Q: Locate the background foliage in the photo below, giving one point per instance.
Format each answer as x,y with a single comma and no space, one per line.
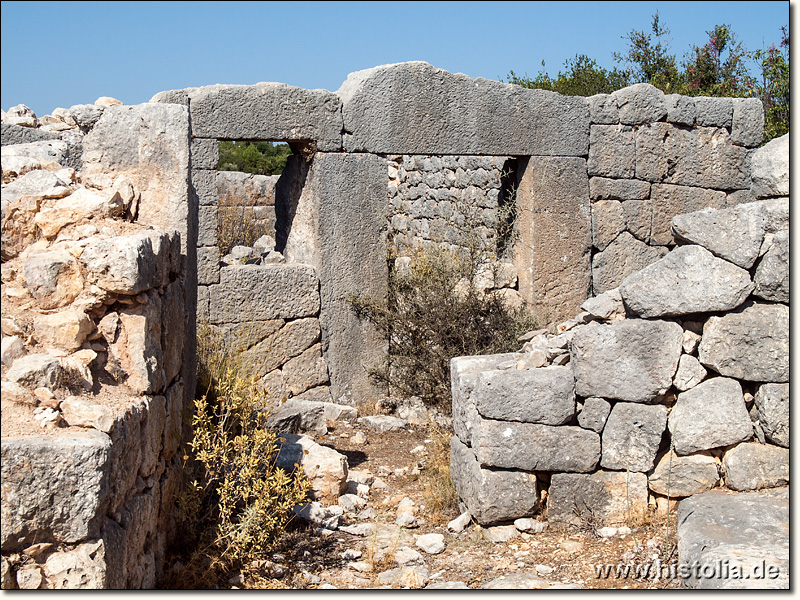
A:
716,68
261,158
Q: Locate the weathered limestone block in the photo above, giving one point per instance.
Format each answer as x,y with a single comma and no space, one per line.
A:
640,103
62,332
713,112
603,188
207,223
392,109
205,153
35,370
608,221
12,349
710,415
603,109
324,467
754,466
770,169
606,305
772,274
299,416
687,280
594,414
716,528
149,144
246,189
208,268
274,350
129,264
53,278
612,151
41,475
155,419
173,435
34,186
77,412
545,395
83,567
680,476
700,157
136,355
735,234
667,201
680,109
612,497
747,125
173,330
639,218
632,435
204,186
534,447
267,111
632,360
268,291
690,372
16,134
348,198
772,402
464,372
751,343
491,495
622,257
554,221
306,370
81,205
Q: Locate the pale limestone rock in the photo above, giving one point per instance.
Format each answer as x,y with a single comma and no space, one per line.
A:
80,413
679,476
54,278
325,468
62,332
12,348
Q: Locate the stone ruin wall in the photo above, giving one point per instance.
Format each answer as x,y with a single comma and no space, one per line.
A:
97,310
380,166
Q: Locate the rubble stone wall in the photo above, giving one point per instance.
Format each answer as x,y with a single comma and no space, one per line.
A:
97,308
670,384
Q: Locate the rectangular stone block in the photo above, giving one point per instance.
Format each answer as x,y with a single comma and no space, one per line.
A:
267,111
263,292
545,395
713,112
553,259
204,183
612,151
602,188
668,201
391,109
205,153
491,495
208,270
207,221
747,126
613,498
534,447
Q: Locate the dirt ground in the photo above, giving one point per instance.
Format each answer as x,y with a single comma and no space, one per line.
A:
558,555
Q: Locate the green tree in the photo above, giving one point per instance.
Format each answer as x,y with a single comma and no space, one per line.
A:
774,87
719,67
582,77
261,158
648,59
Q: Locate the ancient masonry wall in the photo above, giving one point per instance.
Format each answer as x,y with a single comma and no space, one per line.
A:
96,309
671,384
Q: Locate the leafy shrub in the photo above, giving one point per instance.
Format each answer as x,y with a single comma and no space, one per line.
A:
237,503
434,312
261,158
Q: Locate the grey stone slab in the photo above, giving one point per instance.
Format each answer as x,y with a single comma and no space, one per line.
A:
594,414
553,257
207,223
267,111
390,109
772,403
205,153
603,109
687,280
751,343
608,221
612,151
747,125
491,495
632,436
746,531
622,257
678,476
204,184
299,416
754,466
611,497
772,274
639,218
770,169
16,134
690,372
640,103
735,234
667,201
534,447
633,360
713,112
264,292
680,109
604,188
545,395
208,268
54,488
710,415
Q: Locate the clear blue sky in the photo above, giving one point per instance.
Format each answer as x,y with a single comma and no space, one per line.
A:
56,54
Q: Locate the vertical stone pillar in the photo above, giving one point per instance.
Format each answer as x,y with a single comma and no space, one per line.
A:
553,255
